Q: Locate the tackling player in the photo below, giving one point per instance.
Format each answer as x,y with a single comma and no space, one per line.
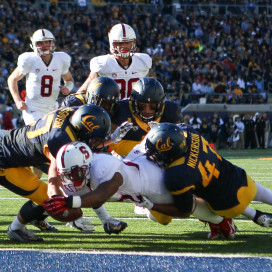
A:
38,144
91,182
193,168
123,64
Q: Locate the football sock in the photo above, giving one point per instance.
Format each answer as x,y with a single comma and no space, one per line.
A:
263,194
16,224
102,214
249,213
202,212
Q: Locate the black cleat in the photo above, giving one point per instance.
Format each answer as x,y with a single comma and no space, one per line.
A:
114,226
23,235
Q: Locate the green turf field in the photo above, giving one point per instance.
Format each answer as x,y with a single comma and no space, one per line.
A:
182,236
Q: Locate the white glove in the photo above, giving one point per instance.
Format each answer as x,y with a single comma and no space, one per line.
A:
121,132
83,224
152,124
146,203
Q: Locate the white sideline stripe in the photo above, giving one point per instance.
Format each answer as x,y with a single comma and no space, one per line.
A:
139,253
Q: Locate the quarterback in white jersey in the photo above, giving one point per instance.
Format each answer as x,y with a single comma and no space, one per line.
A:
123,64
43,70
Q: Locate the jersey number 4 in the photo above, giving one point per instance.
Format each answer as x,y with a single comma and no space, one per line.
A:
208,170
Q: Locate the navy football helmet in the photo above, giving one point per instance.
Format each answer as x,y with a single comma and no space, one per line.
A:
165,143
73,100
147,90
104,92
91,124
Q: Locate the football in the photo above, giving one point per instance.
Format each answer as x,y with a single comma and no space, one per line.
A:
68,215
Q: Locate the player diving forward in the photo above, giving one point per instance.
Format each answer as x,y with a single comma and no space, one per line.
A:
127,180
192,169
38,144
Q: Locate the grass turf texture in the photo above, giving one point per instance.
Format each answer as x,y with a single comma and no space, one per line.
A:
181,236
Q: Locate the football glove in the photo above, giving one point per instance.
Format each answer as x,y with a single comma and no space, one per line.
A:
121,132
146,203
83,224
57,204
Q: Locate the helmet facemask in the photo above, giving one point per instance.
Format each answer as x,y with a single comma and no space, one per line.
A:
147,117
118,35
76,178
73,165
120,52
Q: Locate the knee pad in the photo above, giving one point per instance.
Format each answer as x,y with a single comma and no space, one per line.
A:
31,211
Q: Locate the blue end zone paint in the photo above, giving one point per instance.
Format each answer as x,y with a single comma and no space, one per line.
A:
26,261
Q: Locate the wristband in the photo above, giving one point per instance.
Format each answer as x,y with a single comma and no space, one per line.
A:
76,202
69,85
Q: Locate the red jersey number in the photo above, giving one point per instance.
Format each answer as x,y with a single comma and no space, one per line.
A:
46,86
126,86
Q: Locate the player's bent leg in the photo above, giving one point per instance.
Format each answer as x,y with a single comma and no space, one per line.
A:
22,181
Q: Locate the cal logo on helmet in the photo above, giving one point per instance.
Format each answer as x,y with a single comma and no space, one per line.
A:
87,122
163,146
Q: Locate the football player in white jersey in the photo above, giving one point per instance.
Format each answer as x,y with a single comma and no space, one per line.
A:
127,180
43,70
123,64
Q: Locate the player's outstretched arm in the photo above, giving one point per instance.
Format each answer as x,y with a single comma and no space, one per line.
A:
92,199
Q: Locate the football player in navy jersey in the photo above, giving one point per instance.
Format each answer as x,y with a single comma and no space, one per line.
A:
37,144
192,168
147,104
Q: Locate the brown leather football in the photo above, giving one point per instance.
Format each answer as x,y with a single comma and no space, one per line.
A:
68,215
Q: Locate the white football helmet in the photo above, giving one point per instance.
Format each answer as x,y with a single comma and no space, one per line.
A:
40,36
122,33
73,165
